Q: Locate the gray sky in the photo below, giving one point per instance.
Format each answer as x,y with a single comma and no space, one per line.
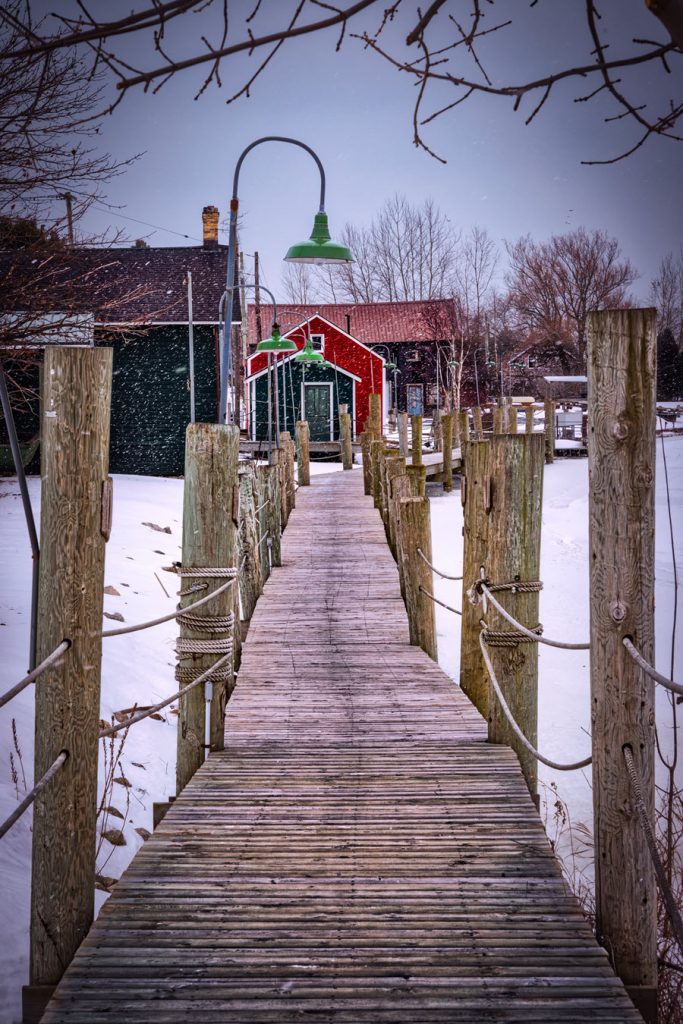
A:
355,110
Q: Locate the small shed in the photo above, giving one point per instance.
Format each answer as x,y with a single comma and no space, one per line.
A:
313,391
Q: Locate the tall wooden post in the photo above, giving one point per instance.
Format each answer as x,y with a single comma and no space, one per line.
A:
414,530
376,447
514,543
346,440
210,526
549,407
249,550
463,427
437,432
274,509
403,434
416,439
376,424
529,419
475,482
74,464
499,419
365,440
395,467
447,434
512,419
621,451
262,531
303,452
477,423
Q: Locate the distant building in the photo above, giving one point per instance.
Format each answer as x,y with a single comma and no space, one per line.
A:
140,302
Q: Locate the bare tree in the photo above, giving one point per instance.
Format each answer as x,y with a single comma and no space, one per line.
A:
298,283
554,284
407,253
442,49
666,293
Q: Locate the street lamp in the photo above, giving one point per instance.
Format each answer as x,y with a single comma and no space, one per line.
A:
319,249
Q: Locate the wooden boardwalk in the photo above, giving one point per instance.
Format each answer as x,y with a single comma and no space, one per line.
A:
358,853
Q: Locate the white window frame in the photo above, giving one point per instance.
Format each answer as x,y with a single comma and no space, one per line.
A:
318,384
318,337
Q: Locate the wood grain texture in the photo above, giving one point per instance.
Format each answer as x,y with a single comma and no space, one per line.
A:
416,440
477,423
402,427
415,534
549,407
514,552
447,465
209,540
621,452
346,440
303,452
358,854
249,549
473,676
74,465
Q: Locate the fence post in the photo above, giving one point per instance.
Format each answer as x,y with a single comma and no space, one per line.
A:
475,492
447,434
416,440
477,423
403,434
346,443
261,498
549,407
249,552
395,467
75,458
376,424
210,526
514,553
437,432
273,509
414,532
512,424
621,388
303,452
499,419
464,427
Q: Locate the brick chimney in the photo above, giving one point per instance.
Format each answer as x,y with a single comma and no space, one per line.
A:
210,226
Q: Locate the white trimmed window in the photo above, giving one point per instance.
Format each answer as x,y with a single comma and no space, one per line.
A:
318,342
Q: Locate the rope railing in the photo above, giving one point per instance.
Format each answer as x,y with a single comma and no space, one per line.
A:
434,569
437,601
262,506
649,669
112,730
667,895
480,588
54,656
264,536
177,614
515,727
30,797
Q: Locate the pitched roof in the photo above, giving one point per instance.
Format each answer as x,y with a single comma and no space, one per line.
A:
132,285
371,323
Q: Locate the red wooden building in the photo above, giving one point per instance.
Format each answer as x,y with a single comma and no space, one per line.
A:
351,373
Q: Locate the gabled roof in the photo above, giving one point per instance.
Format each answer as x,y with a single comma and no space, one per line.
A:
370,323
120,286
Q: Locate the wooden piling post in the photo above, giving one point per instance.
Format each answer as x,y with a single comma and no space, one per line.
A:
262,533
395,467
416,440
437,431
514,553
376,448
249,551
365,439
346,441
391,465
376,418
74,465
621,389
549,407
529,419
403,434
477,423
303,452
414,530
475,493
447,435
273,509
463,427
210,526
499,419
418,476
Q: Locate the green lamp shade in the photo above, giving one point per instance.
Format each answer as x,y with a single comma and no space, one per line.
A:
276,343
319,248
309,355
390,366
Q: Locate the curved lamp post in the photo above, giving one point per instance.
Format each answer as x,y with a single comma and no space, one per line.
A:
318,249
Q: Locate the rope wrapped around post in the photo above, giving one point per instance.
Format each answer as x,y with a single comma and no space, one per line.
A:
482,588
179,613
211,624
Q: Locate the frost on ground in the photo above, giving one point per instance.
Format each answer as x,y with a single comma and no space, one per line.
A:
139,668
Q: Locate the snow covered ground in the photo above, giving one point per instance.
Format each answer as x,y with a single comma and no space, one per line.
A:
139,667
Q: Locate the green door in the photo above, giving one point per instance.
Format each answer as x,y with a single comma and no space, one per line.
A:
318,399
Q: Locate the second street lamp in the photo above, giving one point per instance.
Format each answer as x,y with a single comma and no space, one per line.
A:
319,249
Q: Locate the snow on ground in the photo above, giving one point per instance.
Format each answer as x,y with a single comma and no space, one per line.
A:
139,668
